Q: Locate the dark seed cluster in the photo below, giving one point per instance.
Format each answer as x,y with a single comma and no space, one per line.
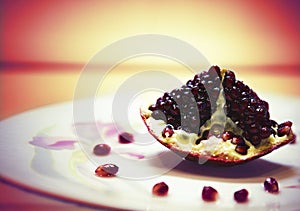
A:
241,146
247,110
190,106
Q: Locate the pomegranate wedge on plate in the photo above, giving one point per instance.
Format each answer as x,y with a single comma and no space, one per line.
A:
217,118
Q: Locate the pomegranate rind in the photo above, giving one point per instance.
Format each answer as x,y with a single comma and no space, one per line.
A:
221,158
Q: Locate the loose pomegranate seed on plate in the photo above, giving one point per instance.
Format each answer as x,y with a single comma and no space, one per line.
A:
160,189
101,149
271,185
241,195
106,170
209,194
126,138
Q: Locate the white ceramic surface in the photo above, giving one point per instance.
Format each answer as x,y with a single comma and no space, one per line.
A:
39,151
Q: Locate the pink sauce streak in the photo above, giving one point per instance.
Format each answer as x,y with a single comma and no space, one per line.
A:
293,186
138,156
54,143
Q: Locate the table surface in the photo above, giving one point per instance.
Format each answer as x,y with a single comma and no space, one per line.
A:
28,88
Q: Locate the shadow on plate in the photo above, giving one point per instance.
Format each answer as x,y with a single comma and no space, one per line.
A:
247,171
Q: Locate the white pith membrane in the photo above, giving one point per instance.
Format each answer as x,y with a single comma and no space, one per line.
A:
214,146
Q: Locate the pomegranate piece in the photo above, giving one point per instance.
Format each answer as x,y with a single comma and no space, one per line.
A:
107,170
168,131
215,105
160,189
101,149
209,194
126,138
241,196
271,185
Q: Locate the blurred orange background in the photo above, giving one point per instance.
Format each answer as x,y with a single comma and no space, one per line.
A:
45,44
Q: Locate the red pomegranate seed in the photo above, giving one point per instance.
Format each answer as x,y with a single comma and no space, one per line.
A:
125,138
237,140
271,185
241,195
160,189
209,193
242,149
284,128
101,149
106,170
168,131
227,135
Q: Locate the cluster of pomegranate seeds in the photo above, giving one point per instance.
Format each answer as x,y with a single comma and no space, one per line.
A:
190,106
239,141
241,196
209,194
160,189
247,110
107,170
271,185
126,138
101,149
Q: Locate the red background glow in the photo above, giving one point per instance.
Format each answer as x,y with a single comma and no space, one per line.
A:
227,32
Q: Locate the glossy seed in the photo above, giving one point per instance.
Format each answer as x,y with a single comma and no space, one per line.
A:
209,194
284,128
241,196
160,189
107,170
242,149
126,138
227,135
271,185
238,140
101,149
168,131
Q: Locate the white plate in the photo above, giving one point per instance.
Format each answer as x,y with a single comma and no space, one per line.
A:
39,151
